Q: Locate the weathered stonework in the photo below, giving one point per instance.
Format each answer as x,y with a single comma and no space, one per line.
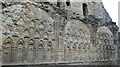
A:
80,33
119,48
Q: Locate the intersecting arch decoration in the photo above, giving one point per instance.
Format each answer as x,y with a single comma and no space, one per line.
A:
105,43
77,34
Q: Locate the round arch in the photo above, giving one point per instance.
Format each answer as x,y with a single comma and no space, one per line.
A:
104,42
76,33
104,29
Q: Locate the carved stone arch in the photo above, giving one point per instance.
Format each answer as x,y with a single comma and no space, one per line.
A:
104,33
32,24
75,39
78,33
105,30
49,52
6,41
40,51
79,47
36,34
32,30
68,31
42,26
84,36
20,50
109,36
20,21
31,44
7,50
67,51
26,33
41,45
20,44
82,33
73,52
15,30
37,22
49,46
70,39
50,26
67,47
74,47
31,51
46,36
73,32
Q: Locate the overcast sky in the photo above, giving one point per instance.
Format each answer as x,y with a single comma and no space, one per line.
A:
112,8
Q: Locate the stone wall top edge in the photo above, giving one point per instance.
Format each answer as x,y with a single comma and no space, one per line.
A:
49,0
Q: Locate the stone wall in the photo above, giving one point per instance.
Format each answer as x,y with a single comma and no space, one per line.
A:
43,32
119,48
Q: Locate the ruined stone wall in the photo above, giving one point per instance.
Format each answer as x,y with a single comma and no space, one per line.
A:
41,32
119,48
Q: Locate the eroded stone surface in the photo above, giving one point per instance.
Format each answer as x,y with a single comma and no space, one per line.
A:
42,32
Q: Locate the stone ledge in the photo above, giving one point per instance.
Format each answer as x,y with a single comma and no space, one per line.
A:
49,65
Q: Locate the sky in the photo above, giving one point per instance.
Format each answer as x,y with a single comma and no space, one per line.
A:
112,8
